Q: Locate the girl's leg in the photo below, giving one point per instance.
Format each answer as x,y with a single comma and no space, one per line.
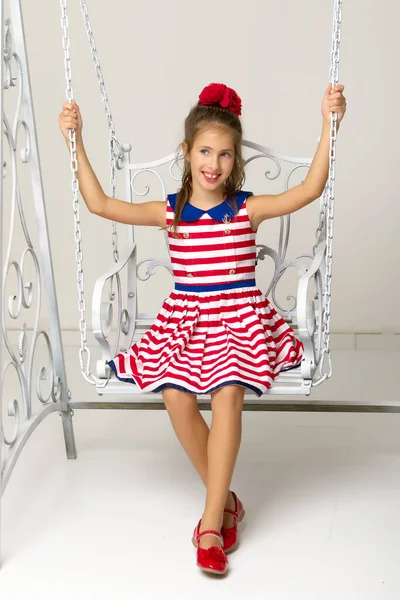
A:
190,427
192,431
222,449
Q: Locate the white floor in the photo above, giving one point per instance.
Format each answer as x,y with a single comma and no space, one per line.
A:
321,492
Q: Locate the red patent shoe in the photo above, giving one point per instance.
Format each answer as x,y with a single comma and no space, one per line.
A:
230,535
211,560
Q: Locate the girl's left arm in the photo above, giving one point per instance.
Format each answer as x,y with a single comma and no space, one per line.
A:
268,206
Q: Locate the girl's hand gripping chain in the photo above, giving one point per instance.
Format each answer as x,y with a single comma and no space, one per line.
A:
71,118
333,101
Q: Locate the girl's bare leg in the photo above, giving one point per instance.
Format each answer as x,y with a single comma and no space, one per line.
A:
222,449
192,431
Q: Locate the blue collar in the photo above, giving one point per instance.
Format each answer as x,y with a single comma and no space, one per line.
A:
192,213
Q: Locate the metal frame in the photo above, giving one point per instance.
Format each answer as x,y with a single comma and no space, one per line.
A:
23,417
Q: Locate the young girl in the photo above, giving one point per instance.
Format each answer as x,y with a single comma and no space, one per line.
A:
215,333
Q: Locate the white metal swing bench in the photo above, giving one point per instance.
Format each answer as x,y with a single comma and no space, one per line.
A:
310,317
306,318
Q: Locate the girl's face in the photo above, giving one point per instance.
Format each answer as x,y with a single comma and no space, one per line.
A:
211,158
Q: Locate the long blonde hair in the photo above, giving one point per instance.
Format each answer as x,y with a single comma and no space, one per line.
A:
200,118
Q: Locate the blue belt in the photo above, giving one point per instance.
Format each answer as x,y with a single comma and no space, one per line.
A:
215,287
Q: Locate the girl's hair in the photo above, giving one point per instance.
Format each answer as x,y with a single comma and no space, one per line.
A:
200,118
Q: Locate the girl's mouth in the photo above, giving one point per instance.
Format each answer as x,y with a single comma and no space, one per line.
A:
210,178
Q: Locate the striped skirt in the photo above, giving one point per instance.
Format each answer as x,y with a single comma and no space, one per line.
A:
202,341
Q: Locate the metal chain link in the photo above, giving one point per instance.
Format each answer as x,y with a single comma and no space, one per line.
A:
326,220
114,146
84,350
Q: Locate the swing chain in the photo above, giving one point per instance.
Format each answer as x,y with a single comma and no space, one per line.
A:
326,220
115,150
84,350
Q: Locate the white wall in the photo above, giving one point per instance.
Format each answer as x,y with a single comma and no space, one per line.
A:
157,56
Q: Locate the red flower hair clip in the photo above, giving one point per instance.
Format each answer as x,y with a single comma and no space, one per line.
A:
226,97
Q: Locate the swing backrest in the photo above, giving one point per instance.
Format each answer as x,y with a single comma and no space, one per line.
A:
266,170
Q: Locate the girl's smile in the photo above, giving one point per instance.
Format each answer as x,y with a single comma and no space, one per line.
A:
210,178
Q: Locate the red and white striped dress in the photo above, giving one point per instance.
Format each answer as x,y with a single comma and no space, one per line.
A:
215,328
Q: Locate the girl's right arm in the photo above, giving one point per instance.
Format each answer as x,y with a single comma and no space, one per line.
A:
144,213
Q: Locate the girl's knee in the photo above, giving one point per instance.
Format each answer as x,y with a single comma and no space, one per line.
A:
229,397
178,400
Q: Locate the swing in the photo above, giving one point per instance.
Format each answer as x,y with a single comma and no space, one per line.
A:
309,317
48,385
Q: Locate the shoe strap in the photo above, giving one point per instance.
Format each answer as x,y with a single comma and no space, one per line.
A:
211,532
234,513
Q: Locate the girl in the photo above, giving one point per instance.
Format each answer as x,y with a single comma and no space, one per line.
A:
215,333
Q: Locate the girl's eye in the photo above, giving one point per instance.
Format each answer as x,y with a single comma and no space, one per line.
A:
224,153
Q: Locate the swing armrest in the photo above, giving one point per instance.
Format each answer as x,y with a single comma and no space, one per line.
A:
103,311
306,312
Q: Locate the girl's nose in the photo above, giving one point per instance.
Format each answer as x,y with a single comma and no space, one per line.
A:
214,163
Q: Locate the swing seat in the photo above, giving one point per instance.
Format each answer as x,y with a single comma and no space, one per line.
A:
306,318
